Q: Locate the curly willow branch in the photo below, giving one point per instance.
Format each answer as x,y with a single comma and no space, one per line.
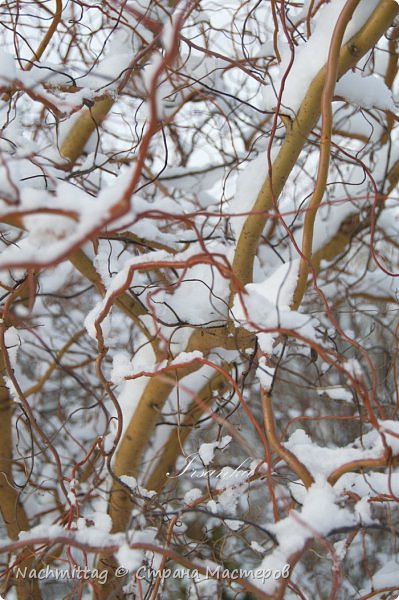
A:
296,137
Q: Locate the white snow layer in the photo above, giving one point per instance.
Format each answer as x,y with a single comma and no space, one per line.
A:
248,186
323,461
311,56
206,451
319,515
367,92
267,306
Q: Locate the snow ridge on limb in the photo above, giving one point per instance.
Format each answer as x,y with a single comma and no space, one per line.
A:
297,134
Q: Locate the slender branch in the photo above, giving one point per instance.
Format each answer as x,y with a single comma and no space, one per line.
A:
285,454
296,137
325,145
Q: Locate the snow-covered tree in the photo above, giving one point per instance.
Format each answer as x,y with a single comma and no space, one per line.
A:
199,293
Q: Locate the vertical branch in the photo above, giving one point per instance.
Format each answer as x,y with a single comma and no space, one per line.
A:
325,145
285,454
49,34
12,511
296,138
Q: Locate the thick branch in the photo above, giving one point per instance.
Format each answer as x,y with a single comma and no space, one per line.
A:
296,137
